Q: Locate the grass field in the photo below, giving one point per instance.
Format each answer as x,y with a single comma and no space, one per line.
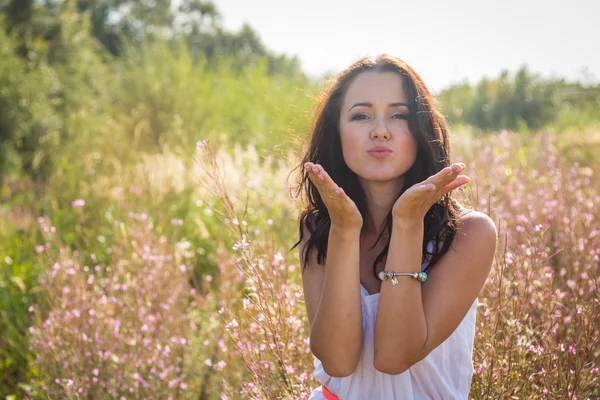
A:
171,276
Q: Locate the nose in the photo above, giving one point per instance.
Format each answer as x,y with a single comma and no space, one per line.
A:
380,131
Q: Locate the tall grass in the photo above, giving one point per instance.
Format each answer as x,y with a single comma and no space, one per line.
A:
146,267
216,286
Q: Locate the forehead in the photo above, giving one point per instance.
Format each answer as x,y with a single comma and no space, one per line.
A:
386,87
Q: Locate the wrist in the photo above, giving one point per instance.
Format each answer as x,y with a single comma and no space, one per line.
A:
345,230
408,223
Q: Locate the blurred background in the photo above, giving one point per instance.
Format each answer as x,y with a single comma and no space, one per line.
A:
102,107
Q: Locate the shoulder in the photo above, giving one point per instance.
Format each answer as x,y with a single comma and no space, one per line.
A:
475,229
475,220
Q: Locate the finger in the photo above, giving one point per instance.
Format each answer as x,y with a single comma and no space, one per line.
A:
459,181
325,185
427,187
312,175
444,178
315,169
324,176
312,169
320,171
439,178
314,178
447,174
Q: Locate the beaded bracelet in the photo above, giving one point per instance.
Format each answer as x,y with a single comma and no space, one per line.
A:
385,275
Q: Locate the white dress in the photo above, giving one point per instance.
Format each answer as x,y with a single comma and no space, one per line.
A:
445,373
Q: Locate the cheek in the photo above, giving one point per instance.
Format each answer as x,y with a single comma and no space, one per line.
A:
409,143
409,148
352,143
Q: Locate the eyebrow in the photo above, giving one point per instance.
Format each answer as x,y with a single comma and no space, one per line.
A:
366,104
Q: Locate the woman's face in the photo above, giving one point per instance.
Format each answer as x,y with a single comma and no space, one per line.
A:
374,112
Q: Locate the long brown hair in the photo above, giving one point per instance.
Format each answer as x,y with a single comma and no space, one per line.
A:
428,127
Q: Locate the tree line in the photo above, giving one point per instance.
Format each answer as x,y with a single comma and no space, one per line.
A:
59,57
522,101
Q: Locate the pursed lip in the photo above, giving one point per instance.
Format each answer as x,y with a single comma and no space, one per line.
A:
379,148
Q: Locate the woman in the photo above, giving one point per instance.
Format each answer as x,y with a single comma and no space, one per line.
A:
377,179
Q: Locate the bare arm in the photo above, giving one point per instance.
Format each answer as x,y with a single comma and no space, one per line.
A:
333,301
414,318
401,326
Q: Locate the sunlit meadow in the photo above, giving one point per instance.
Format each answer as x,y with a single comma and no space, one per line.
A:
149,267
147,212
210,305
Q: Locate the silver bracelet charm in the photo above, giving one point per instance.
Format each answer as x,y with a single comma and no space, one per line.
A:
385,275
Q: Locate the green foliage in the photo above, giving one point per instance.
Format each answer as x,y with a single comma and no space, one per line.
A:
169,96
29,121
110,111
18,277
73,117
521,102
240,49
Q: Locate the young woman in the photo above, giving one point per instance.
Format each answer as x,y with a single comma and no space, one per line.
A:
377,179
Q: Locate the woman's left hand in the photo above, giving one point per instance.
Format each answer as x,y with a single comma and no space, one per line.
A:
418,199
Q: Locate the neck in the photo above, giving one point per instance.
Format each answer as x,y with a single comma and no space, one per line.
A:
381,197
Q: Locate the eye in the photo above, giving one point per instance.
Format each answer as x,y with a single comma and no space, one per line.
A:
357,117
364,116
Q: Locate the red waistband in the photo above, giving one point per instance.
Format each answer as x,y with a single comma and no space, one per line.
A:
328,395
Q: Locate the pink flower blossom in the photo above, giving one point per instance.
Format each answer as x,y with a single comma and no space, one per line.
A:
78,203
243,244
220,365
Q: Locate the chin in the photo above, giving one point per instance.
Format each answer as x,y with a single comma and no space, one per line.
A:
380,176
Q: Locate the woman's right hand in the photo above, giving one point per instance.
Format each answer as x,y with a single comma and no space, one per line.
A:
343,212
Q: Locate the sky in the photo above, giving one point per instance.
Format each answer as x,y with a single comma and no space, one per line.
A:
444,41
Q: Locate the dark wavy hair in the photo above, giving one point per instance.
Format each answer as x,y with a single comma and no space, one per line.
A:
430,130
